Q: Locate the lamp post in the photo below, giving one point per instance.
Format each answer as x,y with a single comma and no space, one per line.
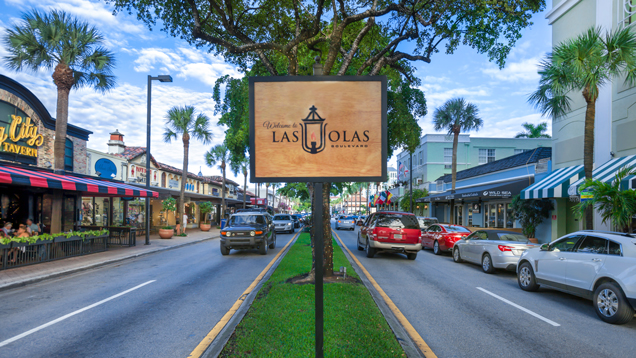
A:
160,78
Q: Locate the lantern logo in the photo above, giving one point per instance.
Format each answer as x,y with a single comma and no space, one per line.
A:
313,132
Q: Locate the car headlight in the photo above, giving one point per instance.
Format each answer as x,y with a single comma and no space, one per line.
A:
288,224
252,233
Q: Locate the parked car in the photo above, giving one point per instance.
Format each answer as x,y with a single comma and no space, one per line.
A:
361,220
442,237
425,222
595,265
297,222
390,231
492,249
285,223
248,230
346,222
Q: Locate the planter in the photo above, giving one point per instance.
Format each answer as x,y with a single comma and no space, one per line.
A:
205,227
64,239
166,233
533,240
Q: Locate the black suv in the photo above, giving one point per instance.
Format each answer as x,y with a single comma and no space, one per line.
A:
248,230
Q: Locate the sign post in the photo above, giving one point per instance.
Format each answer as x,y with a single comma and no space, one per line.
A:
318,129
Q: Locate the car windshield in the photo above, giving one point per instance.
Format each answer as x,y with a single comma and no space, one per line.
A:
507,236
398,221
241,220
282,217
453,228
427,222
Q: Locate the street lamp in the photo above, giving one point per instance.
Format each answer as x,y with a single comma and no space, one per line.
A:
160,78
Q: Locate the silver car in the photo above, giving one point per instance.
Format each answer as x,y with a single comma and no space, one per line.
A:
284,222
346,222
492,249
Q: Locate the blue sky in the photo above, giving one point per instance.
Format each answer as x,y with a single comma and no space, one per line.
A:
499,94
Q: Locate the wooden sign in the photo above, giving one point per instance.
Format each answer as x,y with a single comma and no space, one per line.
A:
318,128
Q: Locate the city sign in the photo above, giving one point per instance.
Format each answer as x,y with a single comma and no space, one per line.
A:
318,128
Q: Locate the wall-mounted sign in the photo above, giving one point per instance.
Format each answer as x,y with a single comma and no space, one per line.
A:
173,183
476,208
305,128
106,168
18,133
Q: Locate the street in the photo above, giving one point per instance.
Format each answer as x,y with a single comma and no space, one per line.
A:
453,308
173,300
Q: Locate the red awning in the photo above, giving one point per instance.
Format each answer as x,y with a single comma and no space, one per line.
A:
89,186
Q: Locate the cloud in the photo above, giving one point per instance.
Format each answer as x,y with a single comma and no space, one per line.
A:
522,71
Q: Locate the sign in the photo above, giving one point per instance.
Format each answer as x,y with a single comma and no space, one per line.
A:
258,201
18,133
586,195
476,208
106,168
541,166
328,129
173,183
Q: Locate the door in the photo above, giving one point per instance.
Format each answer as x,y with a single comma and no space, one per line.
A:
584,265
68,214
473,246
427,237
551,264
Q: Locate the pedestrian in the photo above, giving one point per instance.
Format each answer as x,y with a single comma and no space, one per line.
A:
178,227
185,222
7,229
32,228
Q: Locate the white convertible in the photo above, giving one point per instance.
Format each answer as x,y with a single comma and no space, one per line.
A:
596,265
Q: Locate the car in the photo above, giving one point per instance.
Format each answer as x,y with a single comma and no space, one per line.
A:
346,222
596,265
361,219
425,222
297,220
284,222
442,237
248,230
392,232
492,249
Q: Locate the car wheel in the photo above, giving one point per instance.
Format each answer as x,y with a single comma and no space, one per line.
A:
411,256
263,248
224,250
360,248
436,249
486,264
457,257
611,305
370,250
526,279
273,244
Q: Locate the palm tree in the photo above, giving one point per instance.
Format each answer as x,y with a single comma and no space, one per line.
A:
455,116
219,154
583,64
242,166
72,48
533,131
182,121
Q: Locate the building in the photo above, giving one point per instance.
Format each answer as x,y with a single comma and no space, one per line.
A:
29,188
392,176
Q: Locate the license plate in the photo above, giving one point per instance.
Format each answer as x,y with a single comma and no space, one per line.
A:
397,236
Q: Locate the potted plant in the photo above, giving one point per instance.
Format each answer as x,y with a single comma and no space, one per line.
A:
531,213
168,204
205,208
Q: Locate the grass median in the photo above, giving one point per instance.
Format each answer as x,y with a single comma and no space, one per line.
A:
280,322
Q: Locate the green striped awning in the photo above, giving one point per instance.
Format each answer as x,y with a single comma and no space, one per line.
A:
607,172
554,185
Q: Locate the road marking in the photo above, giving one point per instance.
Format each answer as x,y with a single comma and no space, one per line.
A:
207,340
424,348
10,340
519,307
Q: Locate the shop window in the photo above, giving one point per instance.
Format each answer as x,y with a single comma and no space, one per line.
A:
68,155
68,214
510,219
470,216
486,156
500,215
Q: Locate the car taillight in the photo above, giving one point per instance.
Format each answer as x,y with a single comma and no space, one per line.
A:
504,248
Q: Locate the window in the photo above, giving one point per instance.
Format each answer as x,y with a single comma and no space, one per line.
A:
421,158
68,155
448,155
163,179
397,221
486,156
519,151
593,245
510,218
448,166
615,249
566,244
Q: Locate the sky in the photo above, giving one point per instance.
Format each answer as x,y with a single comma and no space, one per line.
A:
501,95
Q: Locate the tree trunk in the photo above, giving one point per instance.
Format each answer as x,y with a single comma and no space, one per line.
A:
64,80
184,178
244,188
588,150
223,192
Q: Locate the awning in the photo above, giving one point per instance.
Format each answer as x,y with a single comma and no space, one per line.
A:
554,185
494,191
46,179
607,173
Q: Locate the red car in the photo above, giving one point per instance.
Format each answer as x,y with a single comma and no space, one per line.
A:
390,231
442,237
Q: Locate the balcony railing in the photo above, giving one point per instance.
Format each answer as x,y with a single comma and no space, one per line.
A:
626,13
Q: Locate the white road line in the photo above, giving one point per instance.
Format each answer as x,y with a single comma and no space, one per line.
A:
521,308
10,340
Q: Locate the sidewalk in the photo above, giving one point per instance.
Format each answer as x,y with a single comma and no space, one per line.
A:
29,274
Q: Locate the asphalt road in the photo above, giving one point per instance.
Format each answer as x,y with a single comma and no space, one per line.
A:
441,299
186,293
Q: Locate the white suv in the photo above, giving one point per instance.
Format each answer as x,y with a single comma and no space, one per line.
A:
596,265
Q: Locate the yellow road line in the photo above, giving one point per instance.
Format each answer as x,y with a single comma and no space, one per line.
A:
424,348
205,343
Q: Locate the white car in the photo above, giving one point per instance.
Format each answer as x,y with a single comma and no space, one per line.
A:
596,265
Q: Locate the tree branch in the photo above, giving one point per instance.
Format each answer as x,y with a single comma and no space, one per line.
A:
354,47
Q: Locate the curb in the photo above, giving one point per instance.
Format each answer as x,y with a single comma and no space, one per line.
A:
216,347
410,348
97,264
